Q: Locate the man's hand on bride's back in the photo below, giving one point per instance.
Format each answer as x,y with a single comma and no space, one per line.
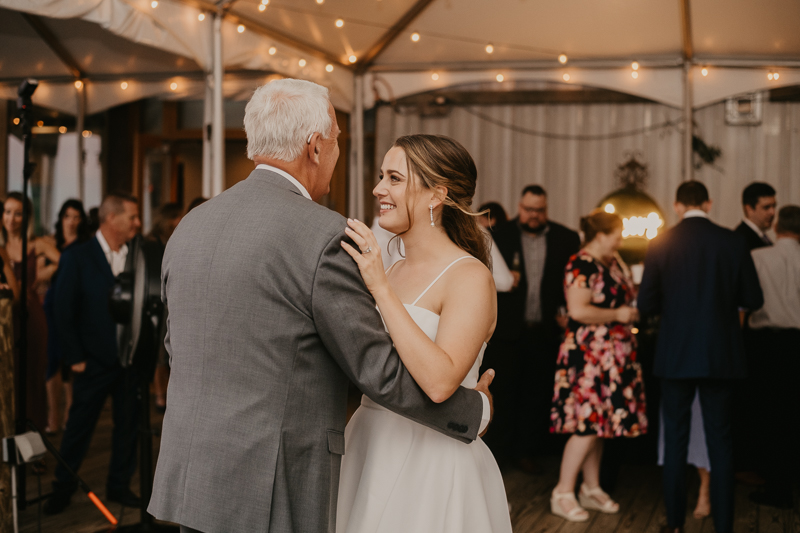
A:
367,255
483,386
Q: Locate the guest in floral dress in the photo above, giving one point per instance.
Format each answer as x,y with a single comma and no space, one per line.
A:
599,392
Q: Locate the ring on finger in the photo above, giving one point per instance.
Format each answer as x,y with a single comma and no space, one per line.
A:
368,250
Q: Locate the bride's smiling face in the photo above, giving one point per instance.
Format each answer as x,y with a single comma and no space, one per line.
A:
398,193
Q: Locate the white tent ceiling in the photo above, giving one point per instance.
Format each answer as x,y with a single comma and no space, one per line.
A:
110,41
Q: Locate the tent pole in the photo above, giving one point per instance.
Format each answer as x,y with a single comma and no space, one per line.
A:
688,167
79,127
207,128
356,190
218,123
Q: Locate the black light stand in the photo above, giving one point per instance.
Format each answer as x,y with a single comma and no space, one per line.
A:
24,104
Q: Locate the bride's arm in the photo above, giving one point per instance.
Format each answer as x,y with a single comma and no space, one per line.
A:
467,319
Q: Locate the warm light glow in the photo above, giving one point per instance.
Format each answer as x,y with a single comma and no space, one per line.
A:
635,65
489,48
265,2
634,330
609,208
634,74
240,29
704,72
153,4
302,62
78,84
415,36
124,85
272,50
642,226
320,1
769,76
16,121
566,77
262,7
40,123
62,129
329,67
201,17
352,59
562,59
173,86
86,134
435,76
339,23
775,76
499,77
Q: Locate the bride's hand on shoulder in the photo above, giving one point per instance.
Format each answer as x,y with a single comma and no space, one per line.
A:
367,255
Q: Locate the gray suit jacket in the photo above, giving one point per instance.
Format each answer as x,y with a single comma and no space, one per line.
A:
268,320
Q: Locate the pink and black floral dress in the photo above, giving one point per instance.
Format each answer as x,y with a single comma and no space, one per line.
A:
598,382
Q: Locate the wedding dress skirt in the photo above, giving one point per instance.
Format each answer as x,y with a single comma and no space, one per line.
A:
401,477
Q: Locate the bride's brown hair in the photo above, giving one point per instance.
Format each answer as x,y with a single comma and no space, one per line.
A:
440,161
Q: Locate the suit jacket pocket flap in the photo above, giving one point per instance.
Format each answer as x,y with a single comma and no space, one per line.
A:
336,442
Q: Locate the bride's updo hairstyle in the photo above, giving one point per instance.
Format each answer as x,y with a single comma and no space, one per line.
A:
598,221
440,161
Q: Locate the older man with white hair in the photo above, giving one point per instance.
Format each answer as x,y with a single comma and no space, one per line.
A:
268,321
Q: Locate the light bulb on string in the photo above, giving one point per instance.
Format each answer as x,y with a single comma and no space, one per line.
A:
775,76
124,85
262,7
435,76
704,71
635,65
154,4
339,23
634,74
201,17
302,62
62,129
320,2
329,67
499,77
173,86
563,59
240,28
78,84
264,2
566,77
415,37
16,121
489,48
272,50
352,59
770,76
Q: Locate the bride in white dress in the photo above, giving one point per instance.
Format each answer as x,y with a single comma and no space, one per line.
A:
439,306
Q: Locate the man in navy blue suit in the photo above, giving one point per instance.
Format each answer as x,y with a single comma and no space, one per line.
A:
696,277
88,339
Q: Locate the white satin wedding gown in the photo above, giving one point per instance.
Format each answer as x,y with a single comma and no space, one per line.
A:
398,476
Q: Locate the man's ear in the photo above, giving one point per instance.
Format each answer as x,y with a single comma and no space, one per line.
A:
313,148
706,206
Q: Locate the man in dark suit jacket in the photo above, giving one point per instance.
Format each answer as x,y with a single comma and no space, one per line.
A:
758,202
524,346
88,339
696,277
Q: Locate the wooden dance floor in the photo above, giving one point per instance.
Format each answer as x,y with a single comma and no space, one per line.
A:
638,492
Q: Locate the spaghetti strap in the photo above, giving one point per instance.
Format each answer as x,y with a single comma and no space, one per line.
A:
439,276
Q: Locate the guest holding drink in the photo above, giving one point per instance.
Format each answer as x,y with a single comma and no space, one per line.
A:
599,391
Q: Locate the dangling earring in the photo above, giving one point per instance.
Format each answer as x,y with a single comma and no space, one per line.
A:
431,208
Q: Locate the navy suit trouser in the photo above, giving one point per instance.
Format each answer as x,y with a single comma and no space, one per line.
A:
716,395
90,391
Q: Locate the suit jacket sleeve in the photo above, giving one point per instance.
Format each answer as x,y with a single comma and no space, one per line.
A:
751,296
350,327
649,298
67,308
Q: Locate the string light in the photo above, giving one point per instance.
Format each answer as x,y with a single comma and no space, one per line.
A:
320,2
339,23
489,48
62,129
302,62
329,67
563,59
124,85
704,72
435,76
609,208
240,29
499,78
773,76
40,123
173,86
635,65
415,37
78,84
770,76
201,17
272,50
86,134
153,4
634,74
264,2
352,59
262,7
566,77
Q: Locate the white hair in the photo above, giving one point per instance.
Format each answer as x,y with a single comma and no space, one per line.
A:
282,115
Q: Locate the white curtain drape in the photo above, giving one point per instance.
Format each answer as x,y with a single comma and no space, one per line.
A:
578,173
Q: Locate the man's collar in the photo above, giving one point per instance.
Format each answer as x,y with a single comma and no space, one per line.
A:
753,227
105,246
695,213
292,180
544,231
